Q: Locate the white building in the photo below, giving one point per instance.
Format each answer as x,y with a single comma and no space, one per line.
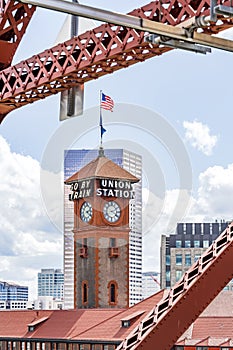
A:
150,283
48,303
75,160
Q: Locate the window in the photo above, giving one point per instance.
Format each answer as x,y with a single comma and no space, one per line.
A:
112,242
196,257
113,249
188,259
187,244
178,259
168,260
84,292
205,244
112,292
179,274
178,244
168,276
196,244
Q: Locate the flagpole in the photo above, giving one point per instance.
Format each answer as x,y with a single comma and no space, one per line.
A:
101,150
101,136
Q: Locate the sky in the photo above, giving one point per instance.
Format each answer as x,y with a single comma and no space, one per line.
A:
174,110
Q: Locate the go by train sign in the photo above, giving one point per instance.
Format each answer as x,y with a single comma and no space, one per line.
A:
106,188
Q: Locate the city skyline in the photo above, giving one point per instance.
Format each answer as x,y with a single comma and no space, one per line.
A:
190,92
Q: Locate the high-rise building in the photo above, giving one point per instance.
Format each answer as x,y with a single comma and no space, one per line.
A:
75,160
51,283
180,250
13,296
150,283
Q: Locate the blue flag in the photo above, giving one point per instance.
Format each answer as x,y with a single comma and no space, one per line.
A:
102,129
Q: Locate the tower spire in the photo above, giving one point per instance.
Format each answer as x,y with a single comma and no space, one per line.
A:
101,151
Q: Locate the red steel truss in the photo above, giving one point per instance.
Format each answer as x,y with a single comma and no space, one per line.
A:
172,316
93,54
14,19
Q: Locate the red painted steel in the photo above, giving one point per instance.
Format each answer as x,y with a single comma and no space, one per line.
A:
169,319
14,19
93,54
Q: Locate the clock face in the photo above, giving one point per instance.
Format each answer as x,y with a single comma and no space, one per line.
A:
112,211
86,212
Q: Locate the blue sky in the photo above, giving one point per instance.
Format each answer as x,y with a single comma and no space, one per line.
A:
188,94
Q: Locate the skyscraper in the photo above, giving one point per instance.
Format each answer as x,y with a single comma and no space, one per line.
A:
74,160
180,250
51,283
150,283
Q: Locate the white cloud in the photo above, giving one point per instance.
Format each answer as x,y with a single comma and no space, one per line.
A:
211,202
215,192
26,234
198,135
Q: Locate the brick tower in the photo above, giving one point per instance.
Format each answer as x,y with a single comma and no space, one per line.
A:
101,192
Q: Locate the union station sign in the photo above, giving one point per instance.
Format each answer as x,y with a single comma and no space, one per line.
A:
107,188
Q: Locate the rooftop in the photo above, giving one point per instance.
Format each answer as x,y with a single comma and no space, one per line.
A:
102,167
213,327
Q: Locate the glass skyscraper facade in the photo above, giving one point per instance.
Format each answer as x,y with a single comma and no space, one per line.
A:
51,283
12,294
75,160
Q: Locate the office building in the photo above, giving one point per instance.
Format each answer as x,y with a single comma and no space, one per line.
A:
75,160
13,296
47,303
181,249
51,283
150,283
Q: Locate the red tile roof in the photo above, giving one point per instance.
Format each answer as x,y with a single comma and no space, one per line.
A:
73,324
112,329
102,167
15,323
214,326
210,329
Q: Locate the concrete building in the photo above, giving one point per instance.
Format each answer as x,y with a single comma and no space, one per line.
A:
48,303
75,160
51,283
150,283
13,296
181,249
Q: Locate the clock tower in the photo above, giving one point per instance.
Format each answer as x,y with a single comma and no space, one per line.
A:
101,192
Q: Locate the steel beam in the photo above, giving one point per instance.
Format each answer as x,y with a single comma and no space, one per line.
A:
146,25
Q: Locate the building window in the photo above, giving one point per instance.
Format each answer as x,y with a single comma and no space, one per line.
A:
168,276
84,292
112,292
113,249
188,259
178,244
178,259
179,274
112,242
206,244
196,257
168,260
196,244
187,244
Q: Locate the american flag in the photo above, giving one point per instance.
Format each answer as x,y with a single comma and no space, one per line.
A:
106,102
